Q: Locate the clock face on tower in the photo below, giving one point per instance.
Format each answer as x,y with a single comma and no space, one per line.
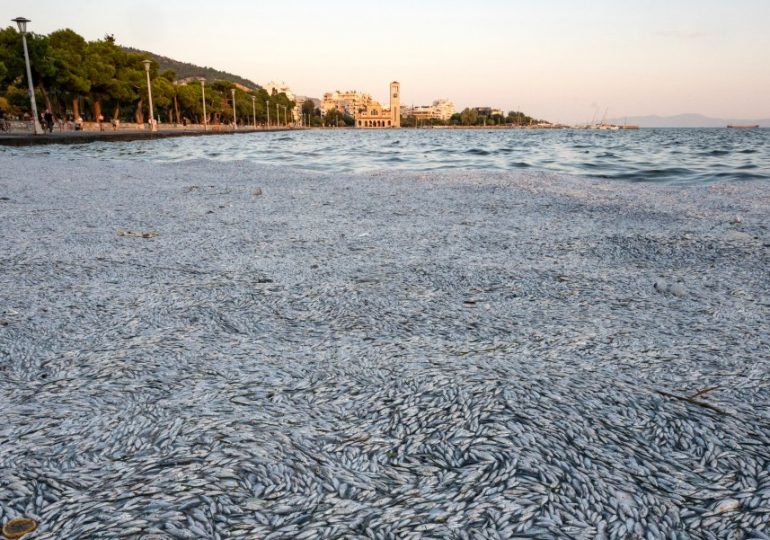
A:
395,94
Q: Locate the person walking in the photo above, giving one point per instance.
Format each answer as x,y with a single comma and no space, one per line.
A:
48,118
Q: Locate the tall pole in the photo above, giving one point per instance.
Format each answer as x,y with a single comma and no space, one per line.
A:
267,108
203,97
22,22
235,119
147,63
254,110
277,115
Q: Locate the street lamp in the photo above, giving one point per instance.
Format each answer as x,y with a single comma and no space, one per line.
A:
267,108
147,64
203,98
22,22
235,120
254,110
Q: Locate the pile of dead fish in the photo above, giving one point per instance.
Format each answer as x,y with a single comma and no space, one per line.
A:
393,356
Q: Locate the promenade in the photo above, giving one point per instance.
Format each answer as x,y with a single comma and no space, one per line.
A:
22,138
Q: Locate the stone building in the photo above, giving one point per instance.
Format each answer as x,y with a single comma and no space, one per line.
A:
375,116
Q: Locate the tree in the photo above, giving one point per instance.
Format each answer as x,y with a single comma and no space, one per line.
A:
190,101
101,60
469,117
68,51
42,64
90,76
11,56
308,107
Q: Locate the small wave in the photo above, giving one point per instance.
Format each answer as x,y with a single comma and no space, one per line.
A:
671,156
650,175
739,176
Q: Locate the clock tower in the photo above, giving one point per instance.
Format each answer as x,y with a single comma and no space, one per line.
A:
395,104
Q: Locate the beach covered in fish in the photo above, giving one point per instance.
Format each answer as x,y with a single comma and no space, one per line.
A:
216,350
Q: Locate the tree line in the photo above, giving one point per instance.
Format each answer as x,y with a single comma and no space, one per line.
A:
75,78
472,117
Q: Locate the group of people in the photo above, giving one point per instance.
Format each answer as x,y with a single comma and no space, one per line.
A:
48,121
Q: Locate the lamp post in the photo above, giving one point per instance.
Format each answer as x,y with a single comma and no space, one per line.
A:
278,116
147,64
254,110
22,23
203,98
267,108
235,120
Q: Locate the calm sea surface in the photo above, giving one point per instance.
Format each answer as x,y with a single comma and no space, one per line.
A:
655,155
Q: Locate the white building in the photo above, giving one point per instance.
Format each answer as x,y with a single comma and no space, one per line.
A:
276,88
443,109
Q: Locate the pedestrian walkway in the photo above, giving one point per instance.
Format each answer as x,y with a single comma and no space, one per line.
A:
84,137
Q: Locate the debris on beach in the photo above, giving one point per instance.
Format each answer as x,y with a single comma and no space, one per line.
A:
18,527
738,236
677,289
257,192
137,234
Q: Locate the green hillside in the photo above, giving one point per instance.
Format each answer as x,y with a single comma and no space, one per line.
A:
184,70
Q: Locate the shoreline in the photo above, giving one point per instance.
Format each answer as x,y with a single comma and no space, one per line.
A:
91,135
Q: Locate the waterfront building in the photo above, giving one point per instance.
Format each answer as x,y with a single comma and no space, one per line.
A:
441,109
273,88
375,116
350,102
423,112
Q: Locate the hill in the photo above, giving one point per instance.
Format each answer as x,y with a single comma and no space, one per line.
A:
686,121
184,69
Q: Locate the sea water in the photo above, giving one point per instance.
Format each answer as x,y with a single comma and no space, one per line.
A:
645,155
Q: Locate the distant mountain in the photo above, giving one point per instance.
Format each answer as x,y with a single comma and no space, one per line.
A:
686,121
184,70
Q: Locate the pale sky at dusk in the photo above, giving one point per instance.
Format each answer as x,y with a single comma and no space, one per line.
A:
556,59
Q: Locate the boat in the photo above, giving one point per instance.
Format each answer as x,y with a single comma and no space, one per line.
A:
736,126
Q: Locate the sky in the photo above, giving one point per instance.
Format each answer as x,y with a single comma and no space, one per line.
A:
560,60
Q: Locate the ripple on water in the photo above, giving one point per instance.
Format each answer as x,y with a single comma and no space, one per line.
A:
653,155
